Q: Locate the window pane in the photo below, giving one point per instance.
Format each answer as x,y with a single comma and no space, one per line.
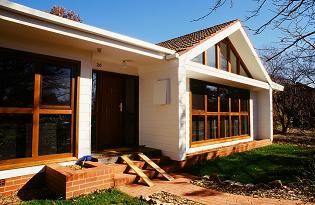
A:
212,94
235,124
198,128
224,100
234,105
15,136
242,71
198,59
198,102
212,104
244,105
233,62
223,56
211,57
54,134
224,126
56,86
212,127
244,125
17,80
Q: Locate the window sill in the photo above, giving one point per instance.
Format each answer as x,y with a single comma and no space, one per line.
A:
35,163
217,141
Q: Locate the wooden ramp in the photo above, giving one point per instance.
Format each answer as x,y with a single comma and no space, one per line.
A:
137,170
140,172
155,166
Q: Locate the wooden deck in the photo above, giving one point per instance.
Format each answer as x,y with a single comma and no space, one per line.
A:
109,156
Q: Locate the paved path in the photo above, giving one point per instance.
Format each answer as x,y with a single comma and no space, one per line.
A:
181,186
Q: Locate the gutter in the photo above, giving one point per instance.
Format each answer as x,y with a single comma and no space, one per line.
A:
172,56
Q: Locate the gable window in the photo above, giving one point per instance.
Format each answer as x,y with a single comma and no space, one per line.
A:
37,107
199,59
223,56
218,113
233,61
211,56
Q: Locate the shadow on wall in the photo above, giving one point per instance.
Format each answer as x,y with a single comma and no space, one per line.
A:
35,188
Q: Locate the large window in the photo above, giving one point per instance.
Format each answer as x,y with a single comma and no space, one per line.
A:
218,112
37,107
223,56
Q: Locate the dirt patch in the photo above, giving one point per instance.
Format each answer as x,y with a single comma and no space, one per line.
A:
10,199
168,198
75,167
304,140
295,191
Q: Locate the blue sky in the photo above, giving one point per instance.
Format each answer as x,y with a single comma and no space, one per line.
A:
156,21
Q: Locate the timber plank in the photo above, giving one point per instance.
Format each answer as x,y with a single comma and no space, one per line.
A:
137,170
155,166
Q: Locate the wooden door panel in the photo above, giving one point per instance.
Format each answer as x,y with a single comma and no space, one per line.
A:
109,116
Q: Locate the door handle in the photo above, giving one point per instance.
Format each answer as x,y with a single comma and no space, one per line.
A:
121,107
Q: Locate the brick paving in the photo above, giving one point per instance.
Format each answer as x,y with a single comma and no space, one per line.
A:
181,186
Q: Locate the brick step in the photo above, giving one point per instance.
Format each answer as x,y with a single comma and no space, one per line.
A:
123,179
149,172
160,160
118,168
138,163
170,167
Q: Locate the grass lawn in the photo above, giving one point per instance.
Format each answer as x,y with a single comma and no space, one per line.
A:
110,196
278,161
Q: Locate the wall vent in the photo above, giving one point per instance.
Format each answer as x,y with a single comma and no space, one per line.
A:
2,182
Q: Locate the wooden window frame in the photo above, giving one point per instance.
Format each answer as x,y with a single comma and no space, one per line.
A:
38,110
205,113
230,48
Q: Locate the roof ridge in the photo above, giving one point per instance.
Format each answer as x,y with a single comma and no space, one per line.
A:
182,43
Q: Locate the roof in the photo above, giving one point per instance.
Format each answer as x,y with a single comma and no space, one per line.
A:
184,43
53,19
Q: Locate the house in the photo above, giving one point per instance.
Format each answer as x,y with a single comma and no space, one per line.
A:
68,89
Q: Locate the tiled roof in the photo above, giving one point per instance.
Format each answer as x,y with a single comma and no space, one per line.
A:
184,43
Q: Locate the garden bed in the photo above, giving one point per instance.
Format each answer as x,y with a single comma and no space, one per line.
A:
71,181
293,165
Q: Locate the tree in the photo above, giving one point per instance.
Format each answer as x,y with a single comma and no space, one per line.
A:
295,106
294,18
62,12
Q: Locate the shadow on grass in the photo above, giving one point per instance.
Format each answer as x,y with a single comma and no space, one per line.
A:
284,162
110,196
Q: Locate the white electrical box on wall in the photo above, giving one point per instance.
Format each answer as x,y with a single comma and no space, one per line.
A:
162,92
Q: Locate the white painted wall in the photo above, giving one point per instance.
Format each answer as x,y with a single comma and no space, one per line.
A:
264,114
85,90
159,127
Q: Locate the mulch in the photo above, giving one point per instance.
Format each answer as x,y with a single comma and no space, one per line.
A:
163,197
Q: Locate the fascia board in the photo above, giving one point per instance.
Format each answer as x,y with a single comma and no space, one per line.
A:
68,32
211,41
250,45
209,71
276,86
40,15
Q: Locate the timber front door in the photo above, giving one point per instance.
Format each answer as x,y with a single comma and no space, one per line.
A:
115,110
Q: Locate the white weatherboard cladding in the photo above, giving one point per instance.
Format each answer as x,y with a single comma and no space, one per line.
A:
159,123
